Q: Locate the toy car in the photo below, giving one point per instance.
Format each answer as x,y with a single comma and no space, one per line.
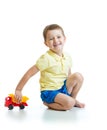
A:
10,102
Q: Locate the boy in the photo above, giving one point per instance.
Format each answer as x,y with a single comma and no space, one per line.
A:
59,87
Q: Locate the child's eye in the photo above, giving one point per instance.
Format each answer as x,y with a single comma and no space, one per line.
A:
58,37
51,39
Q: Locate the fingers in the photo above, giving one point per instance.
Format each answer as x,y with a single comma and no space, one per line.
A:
18,98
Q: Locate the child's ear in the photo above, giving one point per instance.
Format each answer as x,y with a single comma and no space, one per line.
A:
65,39
45,43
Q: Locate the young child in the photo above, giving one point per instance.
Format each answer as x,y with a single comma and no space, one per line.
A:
59,87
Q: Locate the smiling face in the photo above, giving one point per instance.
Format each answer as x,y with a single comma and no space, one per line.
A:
55,40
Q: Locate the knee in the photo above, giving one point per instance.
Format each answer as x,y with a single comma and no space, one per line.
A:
79,76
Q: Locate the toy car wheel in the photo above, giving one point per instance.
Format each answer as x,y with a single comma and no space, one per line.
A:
22,106
10,107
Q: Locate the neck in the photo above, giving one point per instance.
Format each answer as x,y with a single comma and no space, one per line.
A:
58,53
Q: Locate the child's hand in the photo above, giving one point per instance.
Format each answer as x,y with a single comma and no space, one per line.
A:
18,96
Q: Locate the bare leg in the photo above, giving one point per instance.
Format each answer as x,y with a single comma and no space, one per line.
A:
74,83
62,102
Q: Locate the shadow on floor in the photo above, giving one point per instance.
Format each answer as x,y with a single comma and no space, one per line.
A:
74,115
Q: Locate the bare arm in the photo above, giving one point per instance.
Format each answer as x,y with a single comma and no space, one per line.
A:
32,71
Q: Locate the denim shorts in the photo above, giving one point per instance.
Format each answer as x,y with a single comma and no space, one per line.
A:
48,96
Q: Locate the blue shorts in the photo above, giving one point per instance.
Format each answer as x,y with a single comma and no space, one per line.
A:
48,96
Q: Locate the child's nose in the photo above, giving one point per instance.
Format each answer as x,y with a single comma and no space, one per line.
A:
55,39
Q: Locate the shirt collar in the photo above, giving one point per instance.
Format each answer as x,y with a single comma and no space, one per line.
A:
55,55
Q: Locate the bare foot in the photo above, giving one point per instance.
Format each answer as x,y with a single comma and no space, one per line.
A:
79,104
46,104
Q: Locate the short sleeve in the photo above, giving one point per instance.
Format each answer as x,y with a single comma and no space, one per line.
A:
69,59
42,63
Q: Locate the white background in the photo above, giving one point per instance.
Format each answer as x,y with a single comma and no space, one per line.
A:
21,43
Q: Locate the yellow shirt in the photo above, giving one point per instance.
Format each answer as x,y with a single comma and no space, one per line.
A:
53,70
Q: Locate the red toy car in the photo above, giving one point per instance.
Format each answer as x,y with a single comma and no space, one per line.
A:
10,102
